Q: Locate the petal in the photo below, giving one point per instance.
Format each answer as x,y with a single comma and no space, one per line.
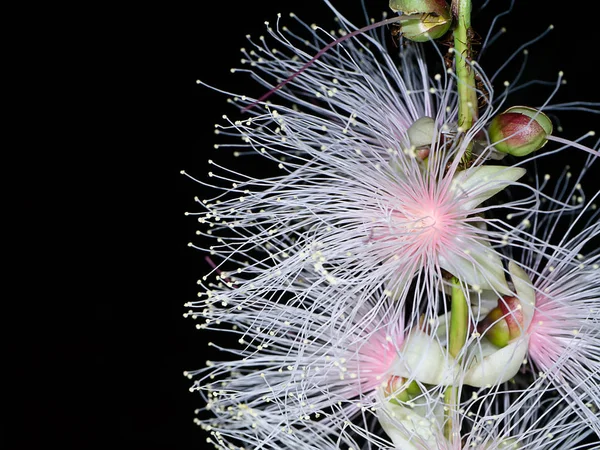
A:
406,428
421,132
494,366
478,265
482,303
473,186
525,292
424,359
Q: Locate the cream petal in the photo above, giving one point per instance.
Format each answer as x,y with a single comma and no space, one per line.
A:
407,428
494,366
480,266
424,359
421,132
474,186
525,292
482,303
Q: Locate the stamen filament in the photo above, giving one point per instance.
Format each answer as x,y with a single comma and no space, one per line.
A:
327,47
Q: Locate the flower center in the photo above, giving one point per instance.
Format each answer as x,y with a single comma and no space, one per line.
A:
375,357
427,225
552,322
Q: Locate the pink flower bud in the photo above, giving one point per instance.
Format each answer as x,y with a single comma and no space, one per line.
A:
432,18
520,130
513,316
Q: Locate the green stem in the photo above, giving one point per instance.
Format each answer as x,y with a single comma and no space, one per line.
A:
459,327
459,317
450,395
467,94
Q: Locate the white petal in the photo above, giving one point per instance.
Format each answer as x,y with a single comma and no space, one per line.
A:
480,266
494,366
525,292
474,186
406,428
482,303
421,132
425,360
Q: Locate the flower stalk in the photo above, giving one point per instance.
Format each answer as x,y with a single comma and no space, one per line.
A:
459,316
458,319
467,94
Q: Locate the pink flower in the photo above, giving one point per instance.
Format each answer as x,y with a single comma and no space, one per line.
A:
302,376
554,318
334,272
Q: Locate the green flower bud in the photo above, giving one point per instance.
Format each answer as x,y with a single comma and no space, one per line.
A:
414,389
393,390
396,391
503,323
520,130
494,328
432,18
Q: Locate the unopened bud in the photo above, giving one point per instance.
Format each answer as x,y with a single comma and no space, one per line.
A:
520,130
414,389
503,323
432,18
396,390
423,153
494,328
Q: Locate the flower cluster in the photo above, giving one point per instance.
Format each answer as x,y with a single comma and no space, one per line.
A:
405,279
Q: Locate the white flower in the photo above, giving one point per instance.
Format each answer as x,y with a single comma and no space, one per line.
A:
372,193
554,315
536,418
304,377
334,272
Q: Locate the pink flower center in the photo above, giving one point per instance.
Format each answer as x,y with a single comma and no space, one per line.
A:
416,229
549,327
374,358
427,226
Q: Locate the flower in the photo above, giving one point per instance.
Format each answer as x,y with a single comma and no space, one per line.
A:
372,193
553,319
564,331
317,379
535,417
336,272
307,374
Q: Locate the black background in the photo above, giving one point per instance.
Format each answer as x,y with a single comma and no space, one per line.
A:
108,371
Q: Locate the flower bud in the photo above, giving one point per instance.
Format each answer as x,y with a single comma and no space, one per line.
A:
432,18
520,130
397,391
423,358
503,323
394,390
494,328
